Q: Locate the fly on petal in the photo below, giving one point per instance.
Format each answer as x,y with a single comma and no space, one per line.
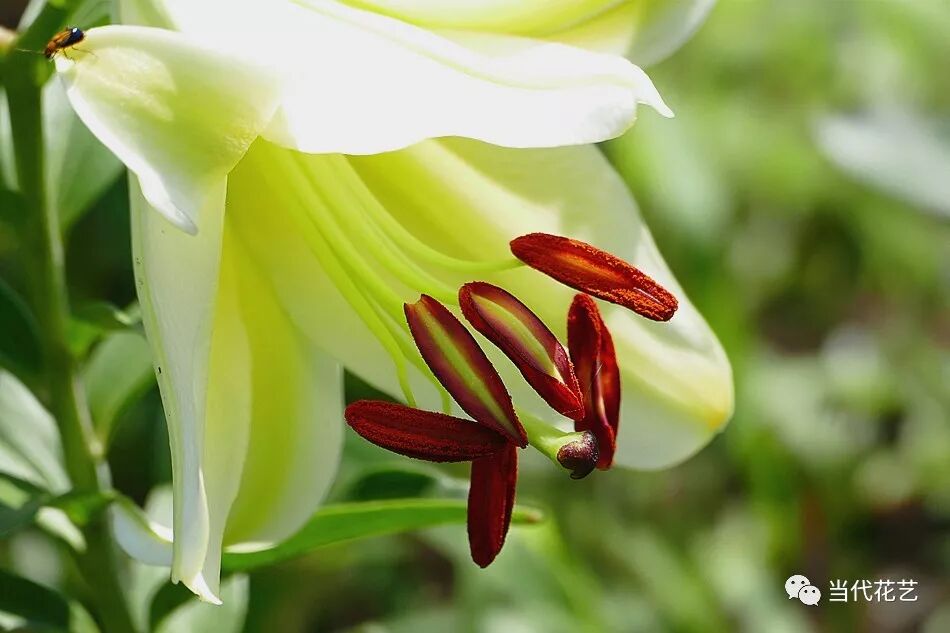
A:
461,366
434,437
527,341
596,272
595,362
490,500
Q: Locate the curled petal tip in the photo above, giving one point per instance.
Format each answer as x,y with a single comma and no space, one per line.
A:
512,327
598,273
580,456
461,366
595,362
427,435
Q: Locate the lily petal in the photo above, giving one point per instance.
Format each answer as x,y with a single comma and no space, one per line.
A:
525,17
434,437
491,498
644,31
462,367
526,340
278,244
358,82
178,322
178,114
677,382
229,365
295,431
592,350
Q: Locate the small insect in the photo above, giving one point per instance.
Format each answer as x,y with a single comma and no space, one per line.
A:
63,40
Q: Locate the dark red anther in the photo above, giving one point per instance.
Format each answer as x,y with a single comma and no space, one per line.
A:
596,272
461,366
595,363
527,341
434,437
490,501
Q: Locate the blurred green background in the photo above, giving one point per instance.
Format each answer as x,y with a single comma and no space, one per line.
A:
802,196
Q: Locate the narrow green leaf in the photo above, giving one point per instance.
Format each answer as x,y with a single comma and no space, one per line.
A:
74,184
20,342
37,604
30,447
41,607
118,373
23,505
391,483
177,609
11,205
82,507
19,503
107,316
97,319
350,521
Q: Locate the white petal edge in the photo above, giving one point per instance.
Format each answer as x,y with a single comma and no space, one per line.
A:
356,82
177,281
254,466
178,114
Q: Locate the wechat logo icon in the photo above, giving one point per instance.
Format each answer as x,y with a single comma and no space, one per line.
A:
798,586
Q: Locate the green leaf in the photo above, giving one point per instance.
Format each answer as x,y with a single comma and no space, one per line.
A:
82,507
19,503
11,205
23,505
106,316
41,607
94,320
19,342
392,483
187,613
350,521
118,373
30,447
78,167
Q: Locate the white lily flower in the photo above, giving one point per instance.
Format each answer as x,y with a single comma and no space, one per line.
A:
268,254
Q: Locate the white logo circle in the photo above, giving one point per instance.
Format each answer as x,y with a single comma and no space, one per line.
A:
794,584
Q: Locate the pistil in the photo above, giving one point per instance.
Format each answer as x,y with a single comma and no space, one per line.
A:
575,451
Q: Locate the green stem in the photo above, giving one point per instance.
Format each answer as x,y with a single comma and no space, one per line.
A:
574,451
42,248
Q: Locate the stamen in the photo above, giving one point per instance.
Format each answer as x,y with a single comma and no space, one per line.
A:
491,498
462,367
595,362
596,272
527,341
424,435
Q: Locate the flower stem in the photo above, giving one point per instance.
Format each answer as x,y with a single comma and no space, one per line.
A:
42,250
